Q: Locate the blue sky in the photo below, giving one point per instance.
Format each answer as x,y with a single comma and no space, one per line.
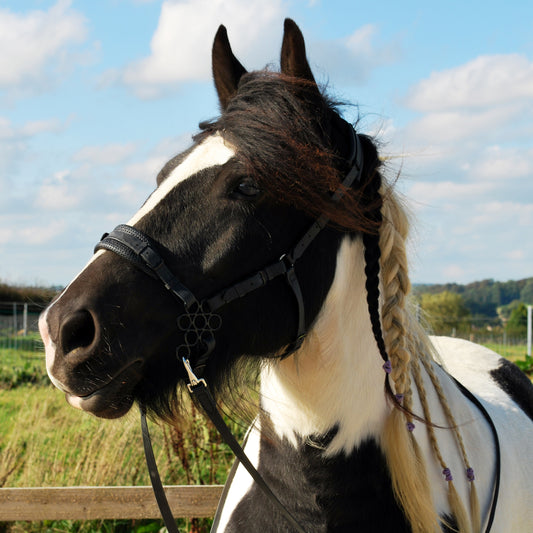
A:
95,96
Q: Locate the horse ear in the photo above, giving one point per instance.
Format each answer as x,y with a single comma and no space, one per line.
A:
227,70
293,59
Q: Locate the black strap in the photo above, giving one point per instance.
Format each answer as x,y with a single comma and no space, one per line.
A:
497,452
139,249
201,394
155,479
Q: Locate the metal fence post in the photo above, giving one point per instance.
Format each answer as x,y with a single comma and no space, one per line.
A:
529,328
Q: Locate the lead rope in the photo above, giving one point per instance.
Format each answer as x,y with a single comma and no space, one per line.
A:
157,486
200,392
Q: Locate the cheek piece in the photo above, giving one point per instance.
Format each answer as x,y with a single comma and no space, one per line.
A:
200,321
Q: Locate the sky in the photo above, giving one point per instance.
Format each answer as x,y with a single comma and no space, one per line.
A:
95,96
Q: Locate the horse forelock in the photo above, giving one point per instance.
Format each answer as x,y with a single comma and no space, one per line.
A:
291,141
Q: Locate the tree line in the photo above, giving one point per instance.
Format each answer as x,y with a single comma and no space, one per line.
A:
30,294
483,305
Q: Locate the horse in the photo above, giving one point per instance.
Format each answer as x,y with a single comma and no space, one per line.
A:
276,244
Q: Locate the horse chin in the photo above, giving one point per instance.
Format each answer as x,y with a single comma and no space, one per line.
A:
113,400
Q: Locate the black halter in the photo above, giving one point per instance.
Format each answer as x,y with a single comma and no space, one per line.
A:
200,321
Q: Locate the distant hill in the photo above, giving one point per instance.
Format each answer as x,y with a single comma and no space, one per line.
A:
484,297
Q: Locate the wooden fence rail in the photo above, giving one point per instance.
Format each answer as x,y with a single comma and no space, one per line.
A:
99,503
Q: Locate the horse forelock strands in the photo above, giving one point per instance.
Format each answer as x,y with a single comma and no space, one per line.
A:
283,129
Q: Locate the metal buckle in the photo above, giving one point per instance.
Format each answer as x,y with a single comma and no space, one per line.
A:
193,379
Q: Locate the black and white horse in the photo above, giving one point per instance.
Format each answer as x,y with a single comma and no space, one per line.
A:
361,427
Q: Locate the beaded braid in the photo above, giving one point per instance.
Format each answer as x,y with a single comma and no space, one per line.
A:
396,287
401,349
372,254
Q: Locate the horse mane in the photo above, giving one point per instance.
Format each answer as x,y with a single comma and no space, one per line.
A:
291,122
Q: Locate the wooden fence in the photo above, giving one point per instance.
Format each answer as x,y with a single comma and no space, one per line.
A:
99,503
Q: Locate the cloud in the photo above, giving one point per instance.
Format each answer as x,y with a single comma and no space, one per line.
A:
111,154
180,49
435,194
58,193
15,147
28,230
485,102
483,82
36,42
502,163
351,59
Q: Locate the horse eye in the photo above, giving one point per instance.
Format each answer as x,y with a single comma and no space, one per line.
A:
248,188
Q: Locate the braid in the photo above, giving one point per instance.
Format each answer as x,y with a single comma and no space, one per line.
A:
408,348
372,257
372,254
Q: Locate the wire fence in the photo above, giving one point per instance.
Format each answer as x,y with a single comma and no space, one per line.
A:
19,326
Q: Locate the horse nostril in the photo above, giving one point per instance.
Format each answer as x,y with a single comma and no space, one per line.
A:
78,331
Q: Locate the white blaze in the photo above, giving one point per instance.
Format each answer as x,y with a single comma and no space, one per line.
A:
212,151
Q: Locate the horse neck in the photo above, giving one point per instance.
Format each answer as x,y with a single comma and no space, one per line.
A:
336,380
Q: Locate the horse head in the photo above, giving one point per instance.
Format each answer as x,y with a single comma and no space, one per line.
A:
240,198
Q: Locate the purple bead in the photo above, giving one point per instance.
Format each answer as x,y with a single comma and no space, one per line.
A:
410,426
387,367
447,473
399,397
470,474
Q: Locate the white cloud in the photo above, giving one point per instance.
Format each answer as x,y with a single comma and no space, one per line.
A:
15,147
360,50
32,42
434,194
483,82
27,230
110,154
504,214
502,163
57,193
466,110
181,45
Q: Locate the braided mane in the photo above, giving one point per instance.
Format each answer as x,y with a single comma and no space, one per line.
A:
411,353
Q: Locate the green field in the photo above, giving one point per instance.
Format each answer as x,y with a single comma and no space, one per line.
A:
44,442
